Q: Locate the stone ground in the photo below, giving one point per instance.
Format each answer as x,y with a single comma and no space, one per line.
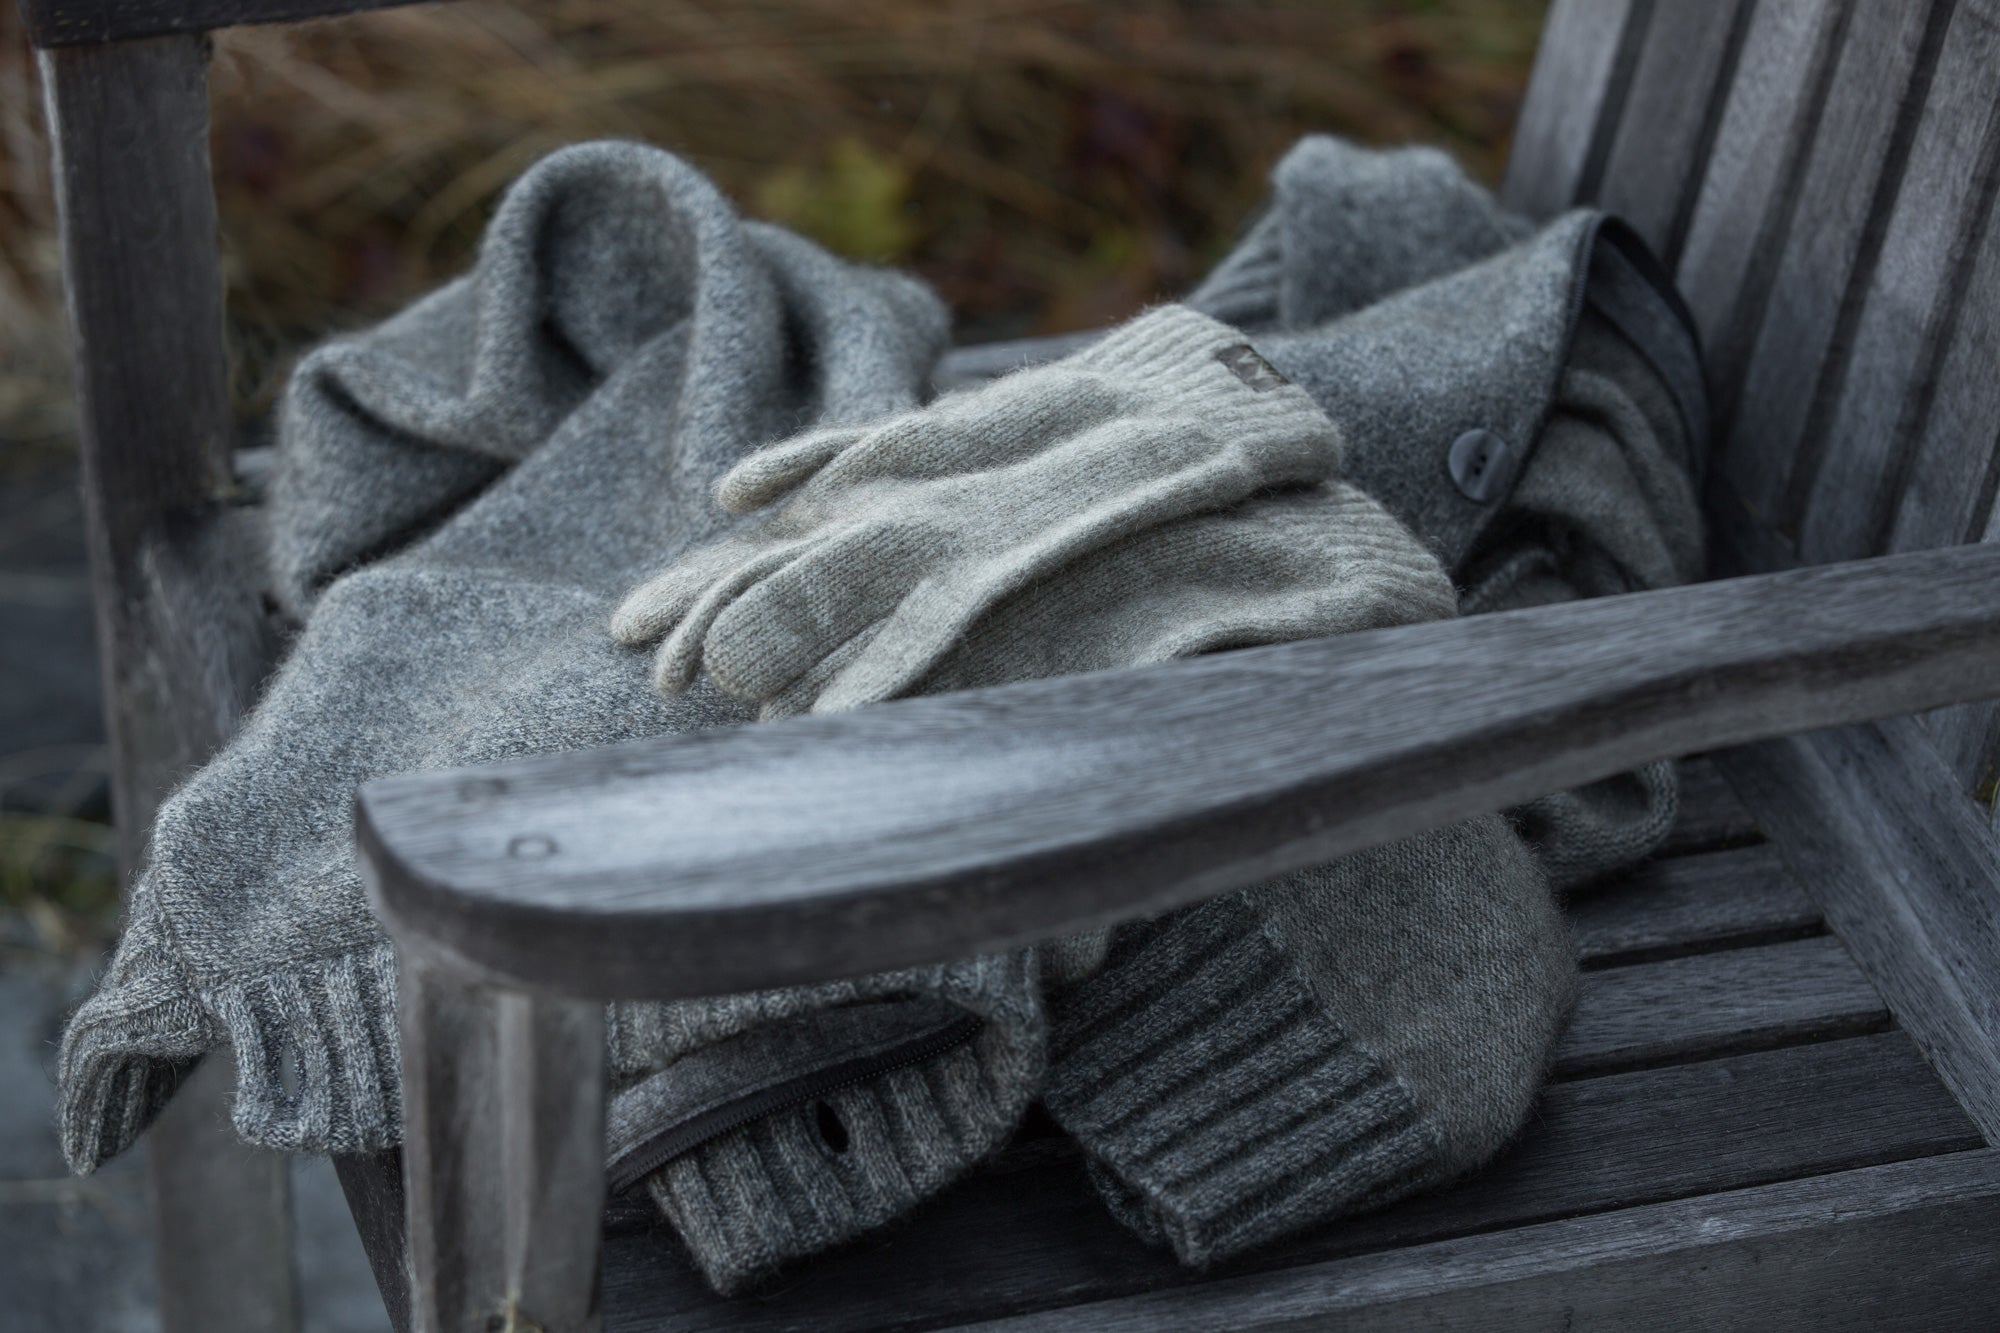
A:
74,1253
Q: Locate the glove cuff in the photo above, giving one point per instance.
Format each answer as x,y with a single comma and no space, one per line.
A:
1220,1105
1197,368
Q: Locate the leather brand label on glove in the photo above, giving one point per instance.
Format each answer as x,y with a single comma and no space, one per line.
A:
1244,363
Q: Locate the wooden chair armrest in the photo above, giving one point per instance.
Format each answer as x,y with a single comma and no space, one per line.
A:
931,828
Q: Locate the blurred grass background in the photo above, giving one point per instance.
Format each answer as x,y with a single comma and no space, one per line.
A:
1046,164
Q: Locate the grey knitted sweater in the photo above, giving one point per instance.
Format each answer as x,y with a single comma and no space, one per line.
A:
465,494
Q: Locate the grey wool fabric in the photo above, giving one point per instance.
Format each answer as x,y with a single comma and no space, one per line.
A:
1397,292
888,542
464,495
1327,1042
1335,1039
1322,1044
469,494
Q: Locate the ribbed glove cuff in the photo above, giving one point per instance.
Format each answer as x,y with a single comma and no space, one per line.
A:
1200,369
780,1188
1216,1126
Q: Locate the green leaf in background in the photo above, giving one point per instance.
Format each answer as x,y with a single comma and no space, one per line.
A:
855,203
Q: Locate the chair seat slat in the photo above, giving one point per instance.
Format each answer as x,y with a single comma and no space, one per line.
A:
1030,1235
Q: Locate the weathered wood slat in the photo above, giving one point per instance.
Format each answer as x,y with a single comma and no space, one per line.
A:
221,1214
1748,192
1672,106
1733,1000
56,23
1700,1007
1712,816
1855,1250
179,628
503,1156
373,1186
1672,907
928,828
1829,238
1950,494
1967,740
1951,451
1575,94
1907,873
1028,1234
1915,300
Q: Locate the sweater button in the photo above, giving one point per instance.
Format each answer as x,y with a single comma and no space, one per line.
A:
1481,464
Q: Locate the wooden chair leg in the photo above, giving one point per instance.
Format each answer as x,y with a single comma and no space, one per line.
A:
128,122
373,1184
503,1154
221,1214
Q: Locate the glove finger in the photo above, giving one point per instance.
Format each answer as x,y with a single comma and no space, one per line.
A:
680,657
770,472
1009,420
799,696
913,637
776,631
657,605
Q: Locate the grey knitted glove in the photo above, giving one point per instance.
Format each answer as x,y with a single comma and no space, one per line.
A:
1294,564
897,538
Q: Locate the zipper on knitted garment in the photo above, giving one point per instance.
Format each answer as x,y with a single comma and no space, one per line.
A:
683,1134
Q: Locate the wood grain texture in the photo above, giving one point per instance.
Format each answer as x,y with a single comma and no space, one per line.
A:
1949,451
220,1214
1573,100
180,631
503,1154
1915,302
1732,1000
373,1186
1673,104
57,23
1950,493
1907,872
1712,816
1671,907
1824,255
1747,193
930,828
1028,1234
1907,1245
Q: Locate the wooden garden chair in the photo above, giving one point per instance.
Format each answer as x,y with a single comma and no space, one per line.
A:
1775,1105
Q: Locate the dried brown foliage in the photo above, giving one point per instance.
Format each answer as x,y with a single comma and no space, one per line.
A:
1046,164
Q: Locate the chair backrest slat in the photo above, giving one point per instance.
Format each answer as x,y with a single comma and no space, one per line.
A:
1576,71
1911,314
1670,116
1777,400
1760,144
1822,174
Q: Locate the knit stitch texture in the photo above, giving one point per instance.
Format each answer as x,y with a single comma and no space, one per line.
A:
463,496
467,492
